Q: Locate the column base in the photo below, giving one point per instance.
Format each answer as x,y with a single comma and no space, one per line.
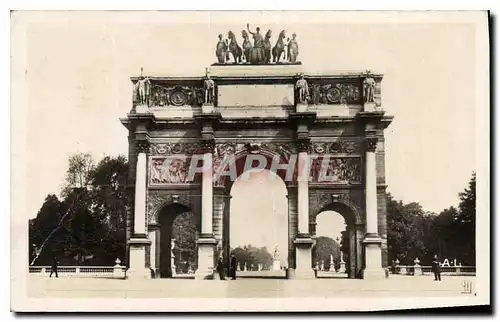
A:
206,249
374,274
304,274
137,258
303,269
373,258
138,274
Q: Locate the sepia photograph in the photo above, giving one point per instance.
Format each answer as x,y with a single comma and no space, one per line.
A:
249,161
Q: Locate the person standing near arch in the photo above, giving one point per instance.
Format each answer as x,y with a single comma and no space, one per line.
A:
233,267
436,269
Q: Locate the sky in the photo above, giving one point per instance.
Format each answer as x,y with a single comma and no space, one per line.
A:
78,71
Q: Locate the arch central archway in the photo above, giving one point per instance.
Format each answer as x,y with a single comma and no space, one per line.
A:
258,224
248,187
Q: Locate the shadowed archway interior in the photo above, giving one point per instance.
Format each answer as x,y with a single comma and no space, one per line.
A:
177,243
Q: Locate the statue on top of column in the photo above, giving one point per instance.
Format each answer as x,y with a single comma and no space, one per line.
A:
143,88
302,90
209,87
369,89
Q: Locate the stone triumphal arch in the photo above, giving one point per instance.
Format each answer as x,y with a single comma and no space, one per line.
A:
190,137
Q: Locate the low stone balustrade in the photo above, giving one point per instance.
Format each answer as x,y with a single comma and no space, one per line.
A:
117,271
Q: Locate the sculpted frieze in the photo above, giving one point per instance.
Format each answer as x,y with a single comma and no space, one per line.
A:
339,147
334,93
336,170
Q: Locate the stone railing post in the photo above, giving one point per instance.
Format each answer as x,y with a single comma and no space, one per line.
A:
396,266
118,269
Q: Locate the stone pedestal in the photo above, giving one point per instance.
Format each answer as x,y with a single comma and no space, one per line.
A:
332,266
370,107
206,249
207,108
301,108
303,268
342,267
141,108
276,265
417,270
137,268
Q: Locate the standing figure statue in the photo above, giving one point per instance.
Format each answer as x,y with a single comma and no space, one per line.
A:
143,89
234,48
247,46
302,89
369,89
293,49
209,87
279,48
220,50
257,52
267,47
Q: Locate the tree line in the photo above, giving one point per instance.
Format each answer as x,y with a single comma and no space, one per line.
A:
87,224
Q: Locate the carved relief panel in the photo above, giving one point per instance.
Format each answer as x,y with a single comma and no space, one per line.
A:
169,163
334,92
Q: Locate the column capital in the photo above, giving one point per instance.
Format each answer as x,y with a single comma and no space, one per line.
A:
371,144
142,146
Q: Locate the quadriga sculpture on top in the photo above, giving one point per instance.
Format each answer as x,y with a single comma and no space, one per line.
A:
261,52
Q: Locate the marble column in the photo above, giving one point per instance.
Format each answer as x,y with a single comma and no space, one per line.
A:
206,241
139,241
303,242
372,241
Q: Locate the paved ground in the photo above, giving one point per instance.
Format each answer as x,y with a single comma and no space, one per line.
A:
400,286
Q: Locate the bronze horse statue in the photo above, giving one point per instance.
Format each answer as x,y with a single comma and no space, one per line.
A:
234,48
279,48
267,48
247,46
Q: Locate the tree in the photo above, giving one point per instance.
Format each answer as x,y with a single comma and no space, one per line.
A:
90,221
406,228
79,172
465,223
324,248
249,255
42,226
184,232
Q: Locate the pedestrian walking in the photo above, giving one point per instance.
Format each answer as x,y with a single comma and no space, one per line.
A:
233,267
53,268
436,268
